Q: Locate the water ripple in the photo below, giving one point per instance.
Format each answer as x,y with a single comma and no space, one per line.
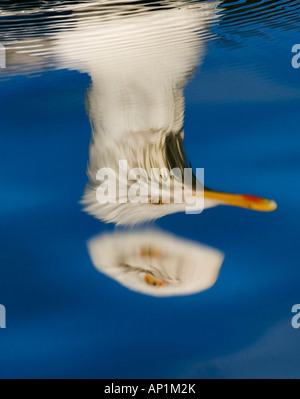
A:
28,29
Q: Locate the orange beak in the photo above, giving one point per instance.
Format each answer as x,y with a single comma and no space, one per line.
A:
242,201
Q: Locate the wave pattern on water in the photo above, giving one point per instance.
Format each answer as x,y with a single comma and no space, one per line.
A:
27,28
30,33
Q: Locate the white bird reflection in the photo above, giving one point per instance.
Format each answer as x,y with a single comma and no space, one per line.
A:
139,59
139,64
156,263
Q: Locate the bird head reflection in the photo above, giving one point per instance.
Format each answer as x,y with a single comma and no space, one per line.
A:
156,263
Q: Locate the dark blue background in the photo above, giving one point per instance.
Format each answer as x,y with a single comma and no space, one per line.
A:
64,319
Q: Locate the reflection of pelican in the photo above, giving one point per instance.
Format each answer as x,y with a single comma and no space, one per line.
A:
156,263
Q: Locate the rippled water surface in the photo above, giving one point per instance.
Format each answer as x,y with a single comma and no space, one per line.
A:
160,84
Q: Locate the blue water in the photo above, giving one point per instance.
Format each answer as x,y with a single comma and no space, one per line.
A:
65,319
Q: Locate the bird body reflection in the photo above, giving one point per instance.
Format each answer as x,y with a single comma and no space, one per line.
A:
139,65
139,59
